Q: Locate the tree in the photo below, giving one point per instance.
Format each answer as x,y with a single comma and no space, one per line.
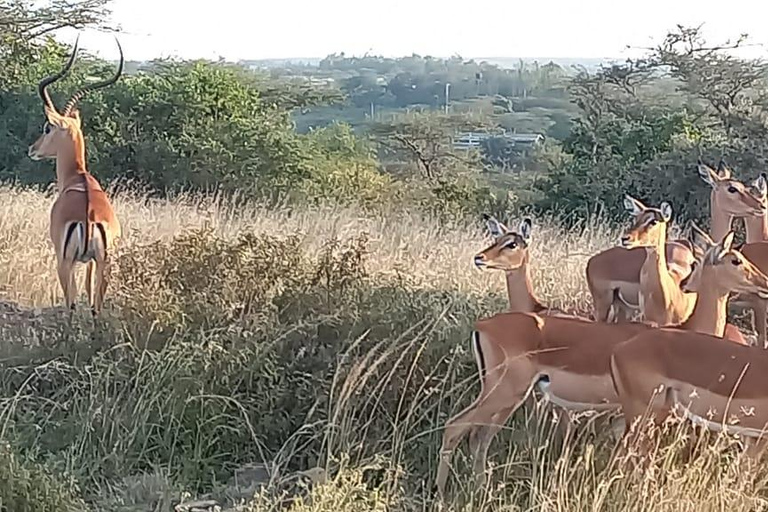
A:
629,137
425,140
24,20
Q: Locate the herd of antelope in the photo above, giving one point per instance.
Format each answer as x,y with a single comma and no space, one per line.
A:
682,354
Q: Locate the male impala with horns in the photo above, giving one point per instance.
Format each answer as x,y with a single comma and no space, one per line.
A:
84,227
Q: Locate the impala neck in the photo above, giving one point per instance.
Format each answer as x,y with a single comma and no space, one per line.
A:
658,252
709,315
654,274
756,228
520,291
721,221
70,159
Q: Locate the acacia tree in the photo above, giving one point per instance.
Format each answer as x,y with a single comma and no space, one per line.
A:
26,20
425,140
24,24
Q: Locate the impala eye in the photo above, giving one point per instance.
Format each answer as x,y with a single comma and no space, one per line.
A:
732,189
511,245
46,128
736,262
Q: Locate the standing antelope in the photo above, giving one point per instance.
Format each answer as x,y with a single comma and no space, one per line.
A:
756,226
510,252
84,227
718,385
732,199
613,275
756,249
662,301
568,359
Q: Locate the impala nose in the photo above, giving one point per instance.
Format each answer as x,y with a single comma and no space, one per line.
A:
625,240
479,261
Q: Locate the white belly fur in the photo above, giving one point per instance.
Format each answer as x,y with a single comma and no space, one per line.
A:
544,387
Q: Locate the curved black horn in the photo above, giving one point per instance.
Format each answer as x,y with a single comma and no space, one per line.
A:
42,87
98,85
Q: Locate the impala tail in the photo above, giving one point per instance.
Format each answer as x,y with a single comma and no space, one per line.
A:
477,350
81,245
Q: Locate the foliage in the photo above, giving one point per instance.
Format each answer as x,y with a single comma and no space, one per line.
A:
418,80
424,140
344,168
627,139
193,125
24,21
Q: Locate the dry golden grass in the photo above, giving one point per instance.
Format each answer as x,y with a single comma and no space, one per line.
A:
378,448
437,255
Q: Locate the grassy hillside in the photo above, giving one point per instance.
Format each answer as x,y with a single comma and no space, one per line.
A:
246,353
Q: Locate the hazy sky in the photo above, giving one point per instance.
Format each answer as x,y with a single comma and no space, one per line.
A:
251,29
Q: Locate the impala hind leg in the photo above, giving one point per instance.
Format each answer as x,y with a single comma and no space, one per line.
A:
89,278
484,418
101,268
66,272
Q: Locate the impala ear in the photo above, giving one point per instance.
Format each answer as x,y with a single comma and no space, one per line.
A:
526,225
666,211
633,206
708,174
496,228
761,184
700,238
723,172
726,244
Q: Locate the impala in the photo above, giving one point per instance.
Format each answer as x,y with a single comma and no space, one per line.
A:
756,249
717,385
613,275
662,301
84,227
757,226
732,199
568,359
510,252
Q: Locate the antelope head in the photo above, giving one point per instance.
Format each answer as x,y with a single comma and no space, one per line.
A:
509,250
61,128
649,225
726,266
731,196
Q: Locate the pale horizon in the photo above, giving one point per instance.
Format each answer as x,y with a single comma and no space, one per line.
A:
237,30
